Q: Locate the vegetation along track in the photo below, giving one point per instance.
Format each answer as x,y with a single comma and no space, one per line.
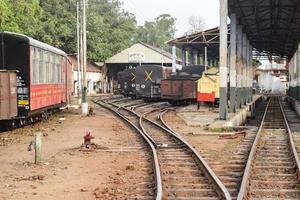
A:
149,180
184,173
272,170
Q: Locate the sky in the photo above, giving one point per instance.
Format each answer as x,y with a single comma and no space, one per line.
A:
148,10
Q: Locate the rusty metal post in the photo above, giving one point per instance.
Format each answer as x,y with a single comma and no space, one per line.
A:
38,148
233,38
223,59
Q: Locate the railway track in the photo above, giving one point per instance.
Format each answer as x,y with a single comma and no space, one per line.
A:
231,172
184,173
148,186
272,170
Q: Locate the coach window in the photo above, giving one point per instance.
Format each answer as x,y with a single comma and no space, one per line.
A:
58,66
56,70
41,66
35,66
46,59
33,58
50,73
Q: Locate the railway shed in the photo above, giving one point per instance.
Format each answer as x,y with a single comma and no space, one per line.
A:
137,54
271,27
199,48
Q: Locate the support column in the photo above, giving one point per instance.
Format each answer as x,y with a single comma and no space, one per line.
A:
196,57
174,59
183,57
205,58
201,59
233,38
297,74
223,59
191,57
244,70
239,66
248,72
251,73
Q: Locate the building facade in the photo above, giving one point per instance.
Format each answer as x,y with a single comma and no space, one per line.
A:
96,78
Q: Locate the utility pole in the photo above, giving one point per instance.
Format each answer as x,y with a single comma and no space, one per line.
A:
84,104
79,84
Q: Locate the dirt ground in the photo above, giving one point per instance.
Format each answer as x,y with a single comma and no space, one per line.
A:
65,171
68,173
208,143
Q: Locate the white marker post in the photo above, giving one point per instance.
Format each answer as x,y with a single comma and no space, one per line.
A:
38,148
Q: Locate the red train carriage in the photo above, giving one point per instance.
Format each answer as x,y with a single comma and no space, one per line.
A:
44,74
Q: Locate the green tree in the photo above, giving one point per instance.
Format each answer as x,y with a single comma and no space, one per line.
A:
58,24
157,32
110,29
20,16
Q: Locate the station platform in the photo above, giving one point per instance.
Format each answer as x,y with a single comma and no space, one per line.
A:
207,116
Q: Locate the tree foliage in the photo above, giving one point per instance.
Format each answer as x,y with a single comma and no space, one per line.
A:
157,32
110,29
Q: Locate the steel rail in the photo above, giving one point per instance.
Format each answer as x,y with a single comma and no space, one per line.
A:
208,171
221,190
244,184
291,139
245,181
153,149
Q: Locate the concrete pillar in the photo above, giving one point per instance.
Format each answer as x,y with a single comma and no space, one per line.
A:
248,72
215,63
297,74
201,59
244,70
173,59
191,57
239,66
251,73
205,58
196,57
183,57
233,63
223,59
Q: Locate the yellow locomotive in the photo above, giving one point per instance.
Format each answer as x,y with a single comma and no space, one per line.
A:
208,86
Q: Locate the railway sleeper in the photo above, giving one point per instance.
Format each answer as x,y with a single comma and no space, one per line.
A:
193,186
191,192
275,177
181,173
282,193
275,185
188,180
193,198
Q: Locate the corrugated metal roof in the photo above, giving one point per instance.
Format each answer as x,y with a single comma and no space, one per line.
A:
199,40
151,54
272,26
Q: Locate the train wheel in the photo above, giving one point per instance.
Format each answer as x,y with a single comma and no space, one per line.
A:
45,116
